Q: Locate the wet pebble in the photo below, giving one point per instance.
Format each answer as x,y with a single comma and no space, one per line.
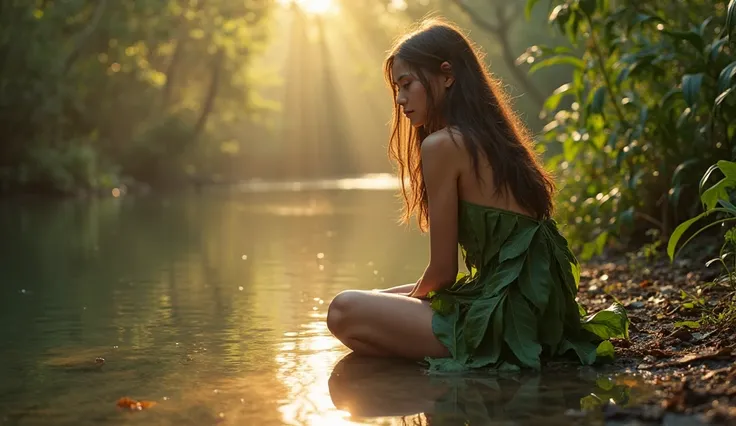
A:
635,305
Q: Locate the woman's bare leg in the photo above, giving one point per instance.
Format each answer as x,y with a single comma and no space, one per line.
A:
384,324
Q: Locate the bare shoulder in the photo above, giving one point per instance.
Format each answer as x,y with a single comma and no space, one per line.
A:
445,145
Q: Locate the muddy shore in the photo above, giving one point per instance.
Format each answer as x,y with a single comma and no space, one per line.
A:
690,361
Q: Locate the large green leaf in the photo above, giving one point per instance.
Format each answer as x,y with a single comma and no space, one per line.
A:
551,323
489,350
535,281
730,17
504,227
605,350
478,318
719,191
724,78
691,36
576,62
691,87
728,168
684,226
506,273
586,351
520,331
608,323
445,326
517,243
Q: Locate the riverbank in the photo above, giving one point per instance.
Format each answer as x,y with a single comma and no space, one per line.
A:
682,335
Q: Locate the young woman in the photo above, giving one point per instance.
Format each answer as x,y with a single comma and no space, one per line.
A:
474,184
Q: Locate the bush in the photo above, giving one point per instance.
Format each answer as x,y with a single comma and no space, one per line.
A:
650,107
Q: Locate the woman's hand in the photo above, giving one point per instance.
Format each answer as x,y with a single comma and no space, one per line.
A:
419,291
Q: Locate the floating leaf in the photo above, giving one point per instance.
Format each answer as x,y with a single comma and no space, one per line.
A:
134,405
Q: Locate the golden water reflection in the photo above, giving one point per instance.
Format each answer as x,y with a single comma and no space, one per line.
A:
213,305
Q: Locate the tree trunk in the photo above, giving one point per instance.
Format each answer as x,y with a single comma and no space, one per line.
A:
171,72
501,30
209,102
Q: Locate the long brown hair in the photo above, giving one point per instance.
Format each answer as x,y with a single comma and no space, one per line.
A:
475,105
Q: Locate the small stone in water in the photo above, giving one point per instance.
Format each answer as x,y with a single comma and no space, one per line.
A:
244,257
240,288
320,255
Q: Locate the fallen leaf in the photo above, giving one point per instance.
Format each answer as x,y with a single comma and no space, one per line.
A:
134,405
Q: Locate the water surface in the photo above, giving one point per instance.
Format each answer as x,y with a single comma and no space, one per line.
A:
212,305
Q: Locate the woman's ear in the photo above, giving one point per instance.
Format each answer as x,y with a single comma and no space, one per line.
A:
448,78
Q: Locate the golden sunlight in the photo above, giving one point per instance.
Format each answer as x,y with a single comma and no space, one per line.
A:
313,7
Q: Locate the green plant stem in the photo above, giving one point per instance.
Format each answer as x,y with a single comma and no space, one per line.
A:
602,65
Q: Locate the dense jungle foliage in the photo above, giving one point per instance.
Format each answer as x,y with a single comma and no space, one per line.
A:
97,93
648,110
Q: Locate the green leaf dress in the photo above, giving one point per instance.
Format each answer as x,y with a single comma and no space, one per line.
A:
517,306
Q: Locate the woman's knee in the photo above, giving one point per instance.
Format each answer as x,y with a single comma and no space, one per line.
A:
342,309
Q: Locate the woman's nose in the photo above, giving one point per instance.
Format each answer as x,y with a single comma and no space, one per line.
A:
401,100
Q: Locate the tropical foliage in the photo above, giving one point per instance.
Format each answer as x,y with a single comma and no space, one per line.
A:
648,109
92,91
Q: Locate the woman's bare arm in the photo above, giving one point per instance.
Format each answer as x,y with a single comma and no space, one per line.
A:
441,159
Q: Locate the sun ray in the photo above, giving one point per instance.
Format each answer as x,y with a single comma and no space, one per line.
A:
313,7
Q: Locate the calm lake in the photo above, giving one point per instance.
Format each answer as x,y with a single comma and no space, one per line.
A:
212,305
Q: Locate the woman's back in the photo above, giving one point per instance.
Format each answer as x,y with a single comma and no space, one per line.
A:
477,186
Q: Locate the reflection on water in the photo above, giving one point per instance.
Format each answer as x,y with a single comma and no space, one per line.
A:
213,306
379,391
